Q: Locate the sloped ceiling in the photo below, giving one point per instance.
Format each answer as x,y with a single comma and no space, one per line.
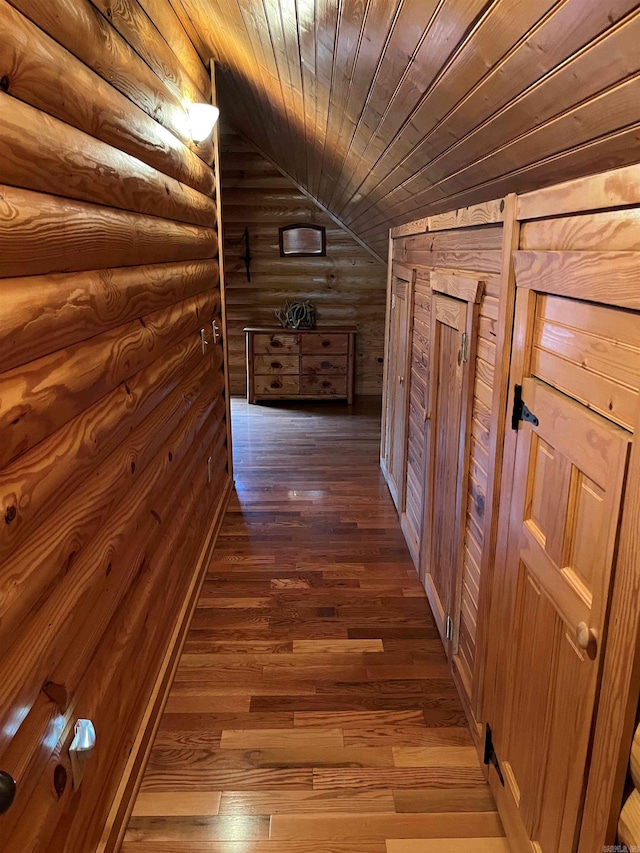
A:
386,110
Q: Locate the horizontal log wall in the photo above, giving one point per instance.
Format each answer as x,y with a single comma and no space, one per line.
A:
109,409
346,286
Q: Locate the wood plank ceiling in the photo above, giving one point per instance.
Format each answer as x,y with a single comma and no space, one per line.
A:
386,110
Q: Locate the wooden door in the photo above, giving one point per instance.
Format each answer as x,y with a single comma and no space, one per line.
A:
414,486
568,483
448,408
396,387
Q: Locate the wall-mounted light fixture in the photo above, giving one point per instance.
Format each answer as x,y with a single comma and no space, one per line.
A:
202,120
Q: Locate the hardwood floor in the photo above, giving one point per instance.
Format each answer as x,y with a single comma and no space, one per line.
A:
313,711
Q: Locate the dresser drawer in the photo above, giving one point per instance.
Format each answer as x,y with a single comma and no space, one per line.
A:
275,344
317,344
332,386
266,364
276,385
324,364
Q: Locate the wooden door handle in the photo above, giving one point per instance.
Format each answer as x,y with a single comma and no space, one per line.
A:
586,637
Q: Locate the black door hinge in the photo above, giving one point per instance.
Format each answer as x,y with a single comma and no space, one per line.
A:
490,756
520,410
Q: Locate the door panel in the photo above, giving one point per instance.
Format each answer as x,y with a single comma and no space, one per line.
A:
397,384
449,323
412,520
568,485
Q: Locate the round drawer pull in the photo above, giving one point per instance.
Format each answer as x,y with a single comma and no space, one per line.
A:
276,365
275,342
276,385
326,343
326,384
7,791
325,365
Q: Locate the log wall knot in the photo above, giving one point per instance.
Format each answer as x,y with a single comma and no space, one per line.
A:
60,779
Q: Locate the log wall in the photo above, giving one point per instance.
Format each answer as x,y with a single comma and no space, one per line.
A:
114,458
347,286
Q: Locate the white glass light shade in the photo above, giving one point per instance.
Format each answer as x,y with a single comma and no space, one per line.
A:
202,120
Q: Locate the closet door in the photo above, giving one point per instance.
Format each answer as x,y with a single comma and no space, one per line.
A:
396,401
569,478
453,324
561,523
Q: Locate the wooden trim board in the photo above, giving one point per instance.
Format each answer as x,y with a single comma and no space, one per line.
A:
615,188
223,301
468,288
485,213
124,801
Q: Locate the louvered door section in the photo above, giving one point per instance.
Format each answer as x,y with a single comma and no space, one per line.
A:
454,323
411,518
395,403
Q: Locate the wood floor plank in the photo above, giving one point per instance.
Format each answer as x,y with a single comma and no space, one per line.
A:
301,756
282,739
187,829
337,646
357,719
444,799
340,827
412,736
313,710
449,845
305,802
175,805
396,777
143,846
241,779
206,704
435,756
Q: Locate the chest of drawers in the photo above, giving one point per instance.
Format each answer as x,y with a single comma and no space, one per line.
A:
309,364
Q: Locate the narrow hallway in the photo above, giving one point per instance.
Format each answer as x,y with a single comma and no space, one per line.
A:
313,710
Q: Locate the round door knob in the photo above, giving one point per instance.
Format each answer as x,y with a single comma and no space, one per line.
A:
401,380
7,791
585,637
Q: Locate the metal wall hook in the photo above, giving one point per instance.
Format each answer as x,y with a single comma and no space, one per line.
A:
81,749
